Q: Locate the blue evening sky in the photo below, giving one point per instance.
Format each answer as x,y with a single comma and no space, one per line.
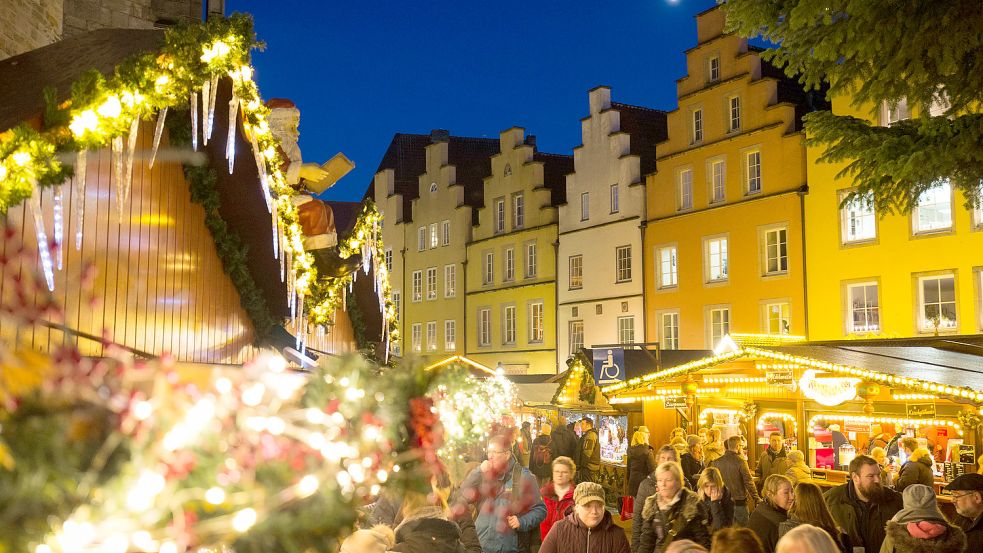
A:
363,70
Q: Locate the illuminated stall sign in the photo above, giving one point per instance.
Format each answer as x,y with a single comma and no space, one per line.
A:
926,410
829,391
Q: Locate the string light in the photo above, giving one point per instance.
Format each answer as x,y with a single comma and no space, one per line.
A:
771,415
900,421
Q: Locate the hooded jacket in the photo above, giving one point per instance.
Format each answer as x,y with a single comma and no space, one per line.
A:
684,520
899,540
428,531
863,523
918,471
556,507
569,535
764,522
799,472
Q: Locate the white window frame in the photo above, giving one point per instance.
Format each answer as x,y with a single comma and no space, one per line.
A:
450,335
717,329
434,236
978,215
626,329
784,312
509,260
670,339
488,269
713,69
858,219
924,323
416,336
684,188
389,259
397,304
716,263
585,206
769,252
431,335
734,113
431,283
484,327
509,324
575,271
752,177
518,211
499,214
531,259
446,233
717,179
942,191
421,239
417,280
537,322
865,310
622,257
892,113
696,125
450,280
615,207
667,264
576,331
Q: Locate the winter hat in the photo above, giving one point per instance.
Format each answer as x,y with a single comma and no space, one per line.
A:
585,492
919,505
378,539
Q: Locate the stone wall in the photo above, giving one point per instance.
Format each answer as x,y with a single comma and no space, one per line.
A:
28,24
86,15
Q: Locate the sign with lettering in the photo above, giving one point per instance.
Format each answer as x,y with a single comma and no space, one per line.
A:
856,426
829,391
816,475
675,402
967,454
609,365
926,410
781,377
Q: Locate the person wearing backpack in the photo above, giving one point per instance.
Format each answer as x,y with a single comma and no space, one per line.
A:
543,453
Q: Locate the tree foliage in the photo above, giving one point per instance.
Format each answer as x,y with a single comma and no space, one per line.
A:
926,52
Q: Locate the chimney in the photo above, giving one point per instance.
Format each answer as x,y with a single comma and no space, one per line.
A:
439,135
531,140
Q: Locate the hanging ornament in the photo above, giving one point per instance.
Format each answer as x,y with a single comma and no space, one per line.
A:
206,94
131,146
157,133
44,248
211,105
230,144
59,230
78,196
194,120
264,181
118,173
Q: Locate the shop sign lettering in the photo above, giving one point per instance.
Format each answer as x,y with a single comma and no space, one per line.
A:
783,377
920,410
967,454
829,391
816,475
675,402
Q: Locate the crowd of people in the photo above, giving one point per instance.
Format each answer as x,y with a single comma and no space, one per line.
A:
695,494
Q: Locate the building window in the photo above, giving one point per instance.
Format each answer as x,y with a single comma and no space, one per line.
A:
978,214
433,187
488,271
697,126
576,336
518,211
450,281
450,335
778,318
434,237
670,331
576,272
417,286
421,239
667,267
685,188
626,330
509,275
713,69
390,187
623,260
536,322
863,310
857,219
499,215
752,172
716,259
416,336
446,233
508,325
776,251
614,199
389,259
719,325
432,336
937,303
584,206
934,210
734,110
892,112
531,260
717,173
431,283
484,326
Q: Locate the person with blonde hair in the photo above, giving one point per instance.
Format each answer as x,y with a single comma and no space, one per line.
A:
715,497
809,508
798,470
806,538
714,447
648,487
916,470
426,525
764,521
685,546
692,459
641,459
880,455
736,540
672,513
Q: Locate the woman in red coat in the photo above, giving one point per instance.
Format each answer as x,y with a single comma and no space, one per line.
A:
589,528
558,493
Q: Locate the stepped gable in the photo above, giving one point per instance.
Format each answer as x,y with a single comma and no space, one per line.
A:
556,167
646,127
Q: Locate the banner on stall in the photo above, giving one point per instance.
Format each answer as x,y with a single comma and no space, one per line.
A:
675,402
926,410
856,426
609,365
829,391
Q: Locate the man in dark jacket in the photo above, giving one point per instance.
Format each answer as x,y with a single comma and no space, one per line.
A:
737,479
589,456
967,496
564,441
862,506
774,460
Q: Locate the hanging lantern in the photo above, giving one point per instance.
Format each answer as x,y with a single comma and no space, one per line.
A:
868,391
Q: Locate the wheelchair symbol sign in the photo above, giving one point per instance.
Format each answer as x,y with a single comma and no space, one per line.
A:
609,365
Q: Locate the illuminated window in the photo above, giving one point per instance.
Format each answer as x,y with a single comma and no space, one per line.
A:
431,283
536,322
397,304
934,210
447,232
863,309
508,325
450,281
937,303
666,267
421,239
432,336
576,271
434,238
715,259
719,321
684,187
450,335
892,112
857,219
623,259
484,326
389,259
626,330
417,336
417,286
670,331
779,320
776,251
576,336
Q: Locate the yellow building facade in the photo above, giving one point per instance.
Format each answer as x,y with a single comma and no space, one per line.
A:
511,259
889,275
724,236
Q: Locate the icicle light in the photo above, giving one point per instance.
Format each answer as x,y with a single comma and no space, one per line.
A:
230,144
59,230
206,94
78,196
118,174
131,145
194,120
44,248
161,117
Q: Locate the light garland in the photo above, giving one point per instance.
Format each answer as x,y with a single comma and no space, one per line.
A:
913,397
734,379
679,370
901,421
771,415
707,414
661,395
767,339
